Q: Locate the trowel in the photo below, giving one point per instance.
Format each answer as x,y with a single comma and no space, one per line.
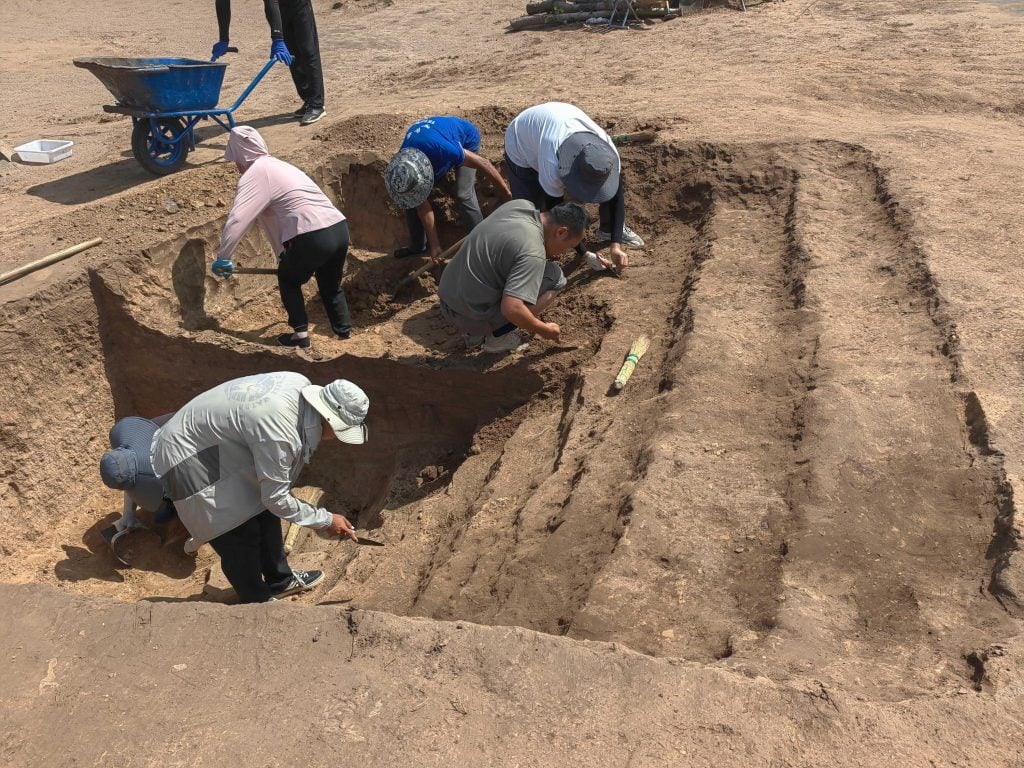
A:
112,535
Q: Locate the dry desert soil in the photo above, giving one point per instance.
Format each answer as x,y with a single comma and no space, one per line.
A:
791,540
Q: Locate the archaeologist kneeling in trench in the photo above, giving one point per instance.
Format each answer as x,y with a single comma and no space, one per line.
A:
126,467
229,458
502,277
308,234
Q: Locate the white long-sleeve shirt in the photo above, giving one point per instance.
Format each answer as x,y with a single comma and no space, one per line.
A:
236,450
533,137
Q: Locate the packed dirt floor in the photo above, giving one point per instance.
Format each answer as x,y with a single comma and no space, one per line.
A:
790,540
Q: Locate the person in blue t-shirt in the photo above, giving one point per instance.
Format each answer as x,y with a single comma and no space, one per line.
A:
432,148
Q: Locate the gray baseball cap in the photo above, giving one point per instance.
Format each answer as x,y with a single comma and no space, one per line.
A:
409,178
119,468
588,167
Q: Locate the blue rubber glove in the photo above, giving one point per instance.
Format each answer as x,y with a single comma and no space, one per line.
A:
223,268
219,49
279,51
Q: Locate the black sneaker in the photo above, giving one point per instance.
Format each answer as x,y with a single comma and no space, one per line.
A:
298,113
311,115
287,340
301,581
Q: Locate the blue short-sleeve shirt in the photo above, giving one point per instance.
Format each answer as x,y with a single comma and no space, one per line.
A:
444,141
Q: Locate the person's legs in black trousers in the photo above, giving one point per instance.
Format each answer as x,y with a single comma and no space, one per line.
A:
321,253
328,281
300,35
417,235
465,193
253,559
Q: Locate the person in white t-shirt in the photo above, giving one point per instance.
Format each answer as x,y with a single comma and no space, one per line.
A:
554,151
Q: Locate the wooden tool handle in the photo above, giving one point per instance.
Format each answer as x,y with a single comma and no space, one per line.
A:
446,254
254,271
640,137
46,261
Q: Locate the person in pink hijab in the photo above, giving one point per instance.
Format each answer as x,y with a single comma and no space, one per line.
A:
308,234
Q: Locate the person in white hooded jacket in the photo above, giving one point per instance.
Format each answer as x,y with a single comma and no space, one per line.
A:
229,458
308,234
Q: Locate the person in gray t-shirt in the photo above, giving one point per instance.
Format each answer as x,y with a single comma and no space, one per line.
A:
502,279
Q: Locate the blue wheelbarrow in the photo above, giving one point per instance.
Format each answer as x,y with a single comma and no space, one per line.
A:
166,98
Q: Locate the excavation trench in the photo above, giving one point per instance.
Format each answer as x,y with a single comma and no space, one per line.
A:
772,489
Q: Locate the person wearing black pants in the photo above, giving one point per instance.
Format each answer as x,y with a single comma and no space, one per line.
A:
255,580
307,234
299,28
293,41
320,253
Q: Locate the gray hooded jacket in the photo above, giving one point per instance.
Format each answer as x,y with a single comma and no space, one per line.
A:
236,450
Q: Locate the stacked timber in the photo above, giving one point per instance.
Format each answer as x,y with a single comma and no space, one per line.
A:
545,13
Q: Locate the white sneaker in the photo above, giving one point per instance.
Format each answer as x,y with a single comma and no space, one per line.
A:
472,342
629,237
508,342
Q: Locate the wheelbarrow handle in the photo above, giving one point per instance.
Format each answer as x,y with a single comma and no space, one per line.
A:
252,85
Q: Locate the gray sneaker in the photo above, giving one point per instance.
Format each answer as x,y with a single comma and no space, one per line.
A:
301,581
629,237
472,342
311,115
508,342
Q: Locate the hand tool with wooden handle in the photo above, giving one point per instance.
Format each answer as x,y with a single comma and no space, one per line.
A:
446,254
46,261
311,495
638,137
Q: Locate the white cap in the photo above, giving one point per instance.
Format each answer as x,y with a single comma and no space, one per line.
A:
344,405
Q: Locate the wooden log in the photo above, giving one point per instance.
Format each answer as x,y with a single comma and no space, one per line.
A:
580,6
46,261
549,19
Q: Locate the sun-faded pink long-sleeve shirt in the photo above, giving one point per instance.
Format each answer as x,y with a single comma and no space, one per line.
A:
284,200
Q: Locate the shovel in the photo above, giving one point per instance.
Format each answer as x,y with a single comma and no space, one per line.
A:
446,254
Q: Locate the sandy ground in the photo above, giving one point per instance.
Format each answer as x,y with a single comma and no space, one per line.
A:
791,541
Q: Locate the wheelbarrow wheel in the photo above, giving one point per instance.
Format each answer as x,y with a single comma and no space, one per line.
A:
159,153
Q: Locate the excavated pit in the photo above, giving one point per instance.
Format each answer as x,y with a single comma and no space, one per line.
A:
794,479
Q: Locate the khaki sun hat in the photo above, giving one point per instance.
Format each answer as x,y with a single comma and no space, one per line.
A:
344,405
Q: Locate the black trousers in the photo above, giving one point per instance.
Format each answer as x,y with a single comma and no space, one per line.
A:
320,253
469,208
299,30
525,185
252,557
